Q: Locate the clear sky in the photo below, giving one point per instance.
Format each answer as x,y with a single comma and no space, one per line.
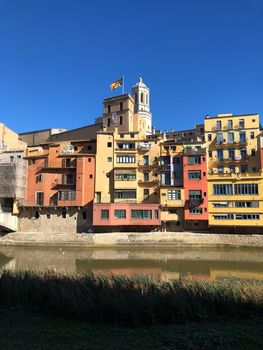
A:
57,58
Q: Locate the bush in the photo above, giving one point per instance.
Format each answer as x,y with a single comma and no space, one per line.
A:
130,302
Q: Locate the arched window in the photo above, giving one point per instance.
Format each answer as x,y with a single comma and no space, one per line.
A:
142,97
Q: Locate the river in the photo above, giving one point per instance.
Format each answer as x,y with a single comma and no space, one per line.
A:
164,263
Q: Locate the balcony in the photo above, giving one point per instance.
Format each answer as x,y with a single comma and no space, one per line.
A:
227,144
194,202
62,184
214,175
143,147
193,152
150,181
154,164
231,159
125,150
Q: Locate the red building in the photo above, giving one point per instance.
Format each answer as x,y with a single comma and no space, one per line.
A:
195,186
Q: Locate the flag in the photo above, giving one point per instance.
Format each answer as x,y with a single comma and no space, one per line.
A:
116,84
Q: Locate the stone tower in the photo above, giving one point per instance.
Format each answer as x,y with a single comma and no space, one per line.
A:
141,96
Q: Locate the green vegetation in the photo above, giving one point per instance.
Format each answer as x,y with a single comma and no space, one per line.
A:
131,302
22,328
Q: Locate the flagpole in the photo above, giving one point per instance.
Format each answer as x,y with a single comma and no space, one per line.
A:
123,84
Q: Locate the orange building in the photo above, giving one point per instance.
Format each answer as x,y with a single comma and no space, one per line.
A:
60,185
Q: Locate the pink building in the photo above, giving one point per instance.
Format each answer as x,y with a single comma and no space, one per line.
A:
123,214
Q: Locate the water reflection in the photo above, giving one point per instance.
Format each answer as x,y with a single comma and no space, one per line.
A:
199,263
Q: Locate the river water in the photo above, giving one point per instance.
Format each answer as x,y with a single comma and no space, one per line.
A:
164,263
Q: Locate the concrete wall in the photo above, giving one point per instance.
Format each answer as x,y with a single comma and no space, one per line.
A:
55,223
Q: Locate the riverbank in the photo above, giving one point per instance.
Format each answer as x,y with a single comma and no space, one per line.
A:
23,329
146,239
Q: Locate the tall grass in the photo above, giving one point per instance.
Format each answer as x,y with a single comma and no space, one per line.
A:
130,302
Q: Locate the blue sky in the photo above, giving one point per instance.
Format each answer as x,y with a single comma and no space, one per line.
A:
57,58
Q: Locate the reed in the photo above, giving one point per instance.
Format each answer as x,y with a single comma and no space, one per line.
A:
130,302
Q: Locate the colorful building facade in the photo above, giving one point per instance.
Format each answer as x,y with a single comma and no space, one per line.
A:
234,171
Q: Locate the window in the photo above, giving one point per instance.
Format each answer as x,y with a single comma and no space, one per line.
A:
109,108
39,198
89,148
121,121
243,204
109,144
241,123
126,145
84,215
230,137
231,154
141,214
125,177
122,136
241,189
252,134
104,214
219,138
247,216
121,106
136,98
39,178
125,159
91,176
156,214
174,194
108,122
89,160
222,190
253,152
142,97
221,204
145,160
119,214
132,136
195,211
67,195
194,174
194,160
223,216
109,159
230,124
242,136
146,176
210,154
218,125
146,192
125,194
220,155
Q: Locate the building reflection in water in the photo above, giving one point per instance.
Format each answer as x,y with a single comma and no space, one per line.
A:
161,263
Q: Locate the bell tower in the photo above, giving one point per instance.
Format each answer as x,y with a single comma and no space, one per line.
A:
141,96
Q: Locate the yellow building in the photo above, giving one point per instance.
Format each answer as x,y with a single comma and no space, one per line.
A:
9,140
234,170
127,168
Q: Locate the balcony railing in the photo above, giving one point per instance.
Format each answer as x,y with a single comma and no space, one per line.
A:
194,202
232,159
